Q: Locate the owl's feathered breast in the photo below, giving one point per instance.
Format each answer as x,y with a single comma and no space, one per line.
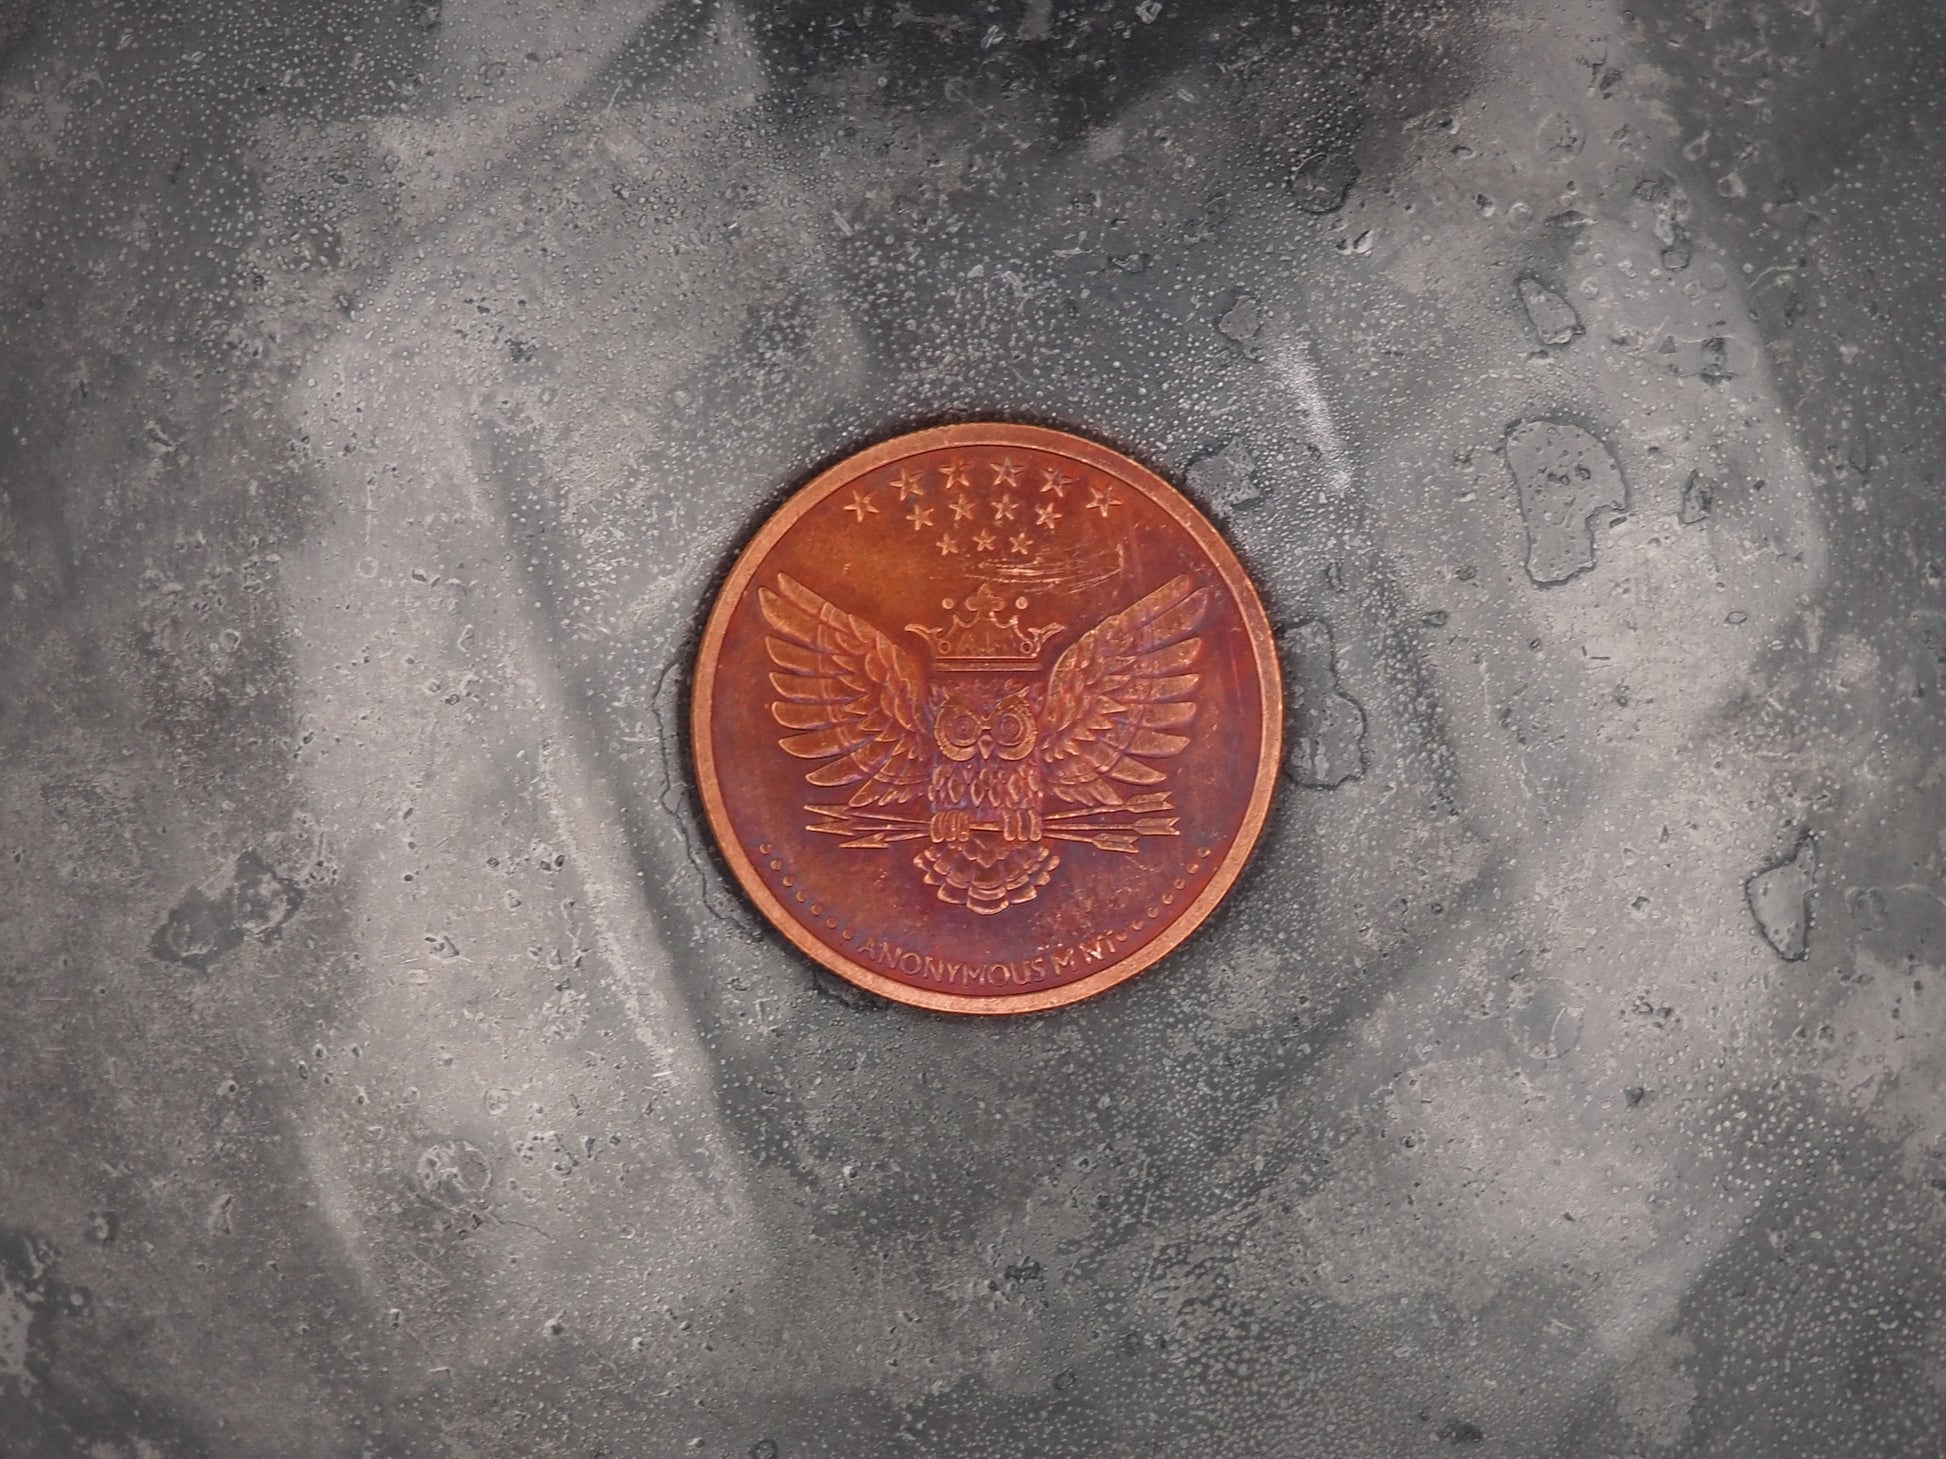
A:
986,784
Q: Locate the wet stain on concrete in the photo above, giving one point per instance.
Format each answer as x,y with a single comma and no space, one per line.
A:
1780,898
1225,480
200,928
1326,726
1564,476
1549,315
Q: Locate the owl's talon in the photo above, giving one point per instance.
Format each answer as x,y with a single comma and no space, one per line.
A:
952,826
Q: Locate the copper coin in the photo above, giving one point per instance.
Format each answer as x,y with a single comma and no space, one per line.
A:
987,718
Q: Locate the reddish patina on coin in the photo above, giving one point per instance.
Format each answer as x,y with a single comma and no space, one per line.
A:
987,718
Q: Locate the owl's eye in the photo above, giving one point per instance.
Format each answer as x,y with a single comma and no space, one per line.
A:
1011,728
959,727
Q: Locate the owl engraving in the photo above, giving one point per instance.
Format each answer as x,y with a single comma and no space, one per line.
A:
1009,761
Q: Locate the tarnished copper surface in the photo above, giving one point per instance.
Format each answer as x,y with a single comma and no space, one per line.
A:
987,718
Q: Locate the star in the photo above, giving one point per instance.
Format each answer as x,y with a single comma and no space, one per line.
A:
1045,514
983,542
953,473
1006,472
1054,479
1022,543
962,508
907,484
921,517
947,546
1102,496
1003,510
860,505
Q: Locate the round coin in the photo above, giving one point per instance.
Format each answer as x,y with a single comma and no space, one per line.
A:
987,718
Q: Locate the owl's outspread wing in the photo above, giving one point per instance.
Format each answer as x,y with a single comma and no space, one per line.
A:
1116,694
855,697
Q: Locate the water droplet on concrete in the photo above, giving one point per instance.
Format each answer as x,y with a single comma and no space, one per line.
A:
1323,181
197,931
1564,476
1929,649
1867,907
1573,225
1715,369
1327,726
1242,322
454,1173
30,1299
1224,481
1559,137
1780,900
1698,496
202,927
1549,314
1547,1018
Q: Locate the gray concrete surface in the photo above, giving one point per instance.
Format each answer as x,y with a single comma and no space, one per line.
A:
387,1069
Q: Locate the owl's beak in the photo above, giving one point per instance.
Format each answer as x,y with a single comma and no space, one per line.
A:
986,747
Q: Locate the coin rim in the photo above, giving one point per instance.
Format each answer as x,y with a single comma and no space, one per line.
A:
989,433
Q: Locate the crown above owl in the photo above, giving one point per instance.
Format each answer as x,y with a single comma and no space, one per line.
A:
984,644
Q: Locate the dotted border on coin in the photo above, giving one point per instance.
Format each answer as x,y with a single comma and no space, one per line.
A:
787,880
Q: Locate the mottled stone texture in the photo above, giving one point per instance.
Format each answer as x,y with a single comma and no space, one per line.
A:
387,1069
